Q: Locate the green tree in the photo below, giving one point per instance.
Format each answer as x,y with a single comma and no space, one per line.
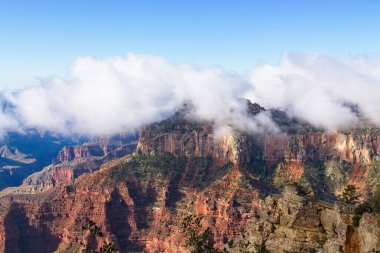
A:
198,239
96,232
350,195
376,201
368,206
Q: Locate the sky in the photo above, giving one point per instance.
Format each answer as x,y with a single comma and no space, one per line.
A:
40,39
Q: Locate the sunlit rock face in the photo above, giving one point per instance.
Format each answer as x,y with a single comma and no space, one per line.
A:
344,157
196,141
240,183
289,222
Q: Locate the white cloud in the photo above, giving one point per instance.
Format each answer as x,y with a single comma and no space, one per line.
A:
317,88
106,96
7,124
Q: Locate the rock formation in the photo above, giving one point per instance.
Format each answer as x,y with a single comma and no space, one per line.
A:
238,182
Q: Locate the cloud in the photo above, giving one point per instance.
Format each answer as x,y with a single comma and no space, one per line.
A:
107,96
7,124
319,88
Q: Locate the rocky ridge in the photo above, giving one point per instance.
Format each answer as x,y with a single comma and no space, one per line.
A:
71,162
23,153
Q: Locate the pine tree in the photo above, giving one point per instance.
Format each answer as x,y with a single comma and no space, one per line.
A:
350,195
95,232
200,240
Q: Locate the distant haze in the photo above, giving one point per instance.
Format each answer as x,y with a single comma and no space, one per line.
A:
107,96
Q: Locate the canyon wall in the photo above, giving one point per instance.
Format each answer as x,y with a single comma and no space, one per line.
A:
181,168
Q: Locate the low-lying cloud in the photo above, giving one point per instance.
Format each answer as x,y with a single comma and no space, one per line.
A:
107,96
319,88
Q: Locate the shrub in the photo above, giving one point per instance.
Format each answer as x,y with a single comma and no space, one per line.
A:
95,232
198,239
364,207
349,195
302,189
376,201
356,220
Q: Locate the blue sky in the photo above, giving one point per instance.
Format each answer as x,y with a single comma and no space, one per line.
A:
41,38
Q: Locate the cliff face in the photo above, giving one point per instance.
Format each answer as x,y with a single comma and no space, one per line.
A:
351,147
76,153
181,168
341,157
98,147
187,140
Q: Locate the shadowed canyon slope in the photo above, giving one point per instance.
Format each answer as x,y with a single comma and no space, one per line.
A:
21,154
242,184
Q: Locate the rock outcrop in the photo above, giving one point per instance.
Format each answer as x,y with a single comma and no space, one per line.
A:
76,153
292,223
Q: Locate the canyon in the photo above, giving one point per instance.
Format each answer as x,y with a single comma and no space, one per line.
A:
25,152
243,185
